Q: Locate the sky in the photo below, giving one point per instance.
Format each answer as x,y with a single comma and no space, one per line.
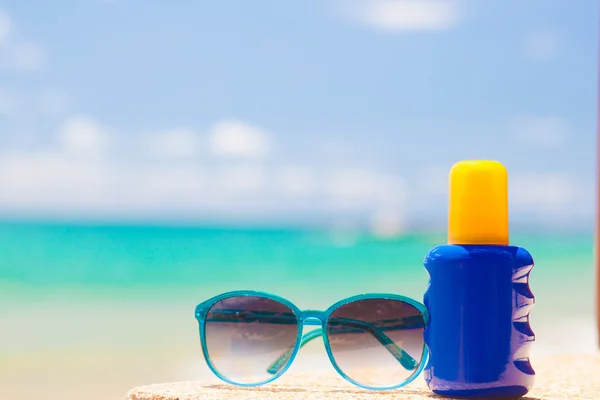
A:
294,112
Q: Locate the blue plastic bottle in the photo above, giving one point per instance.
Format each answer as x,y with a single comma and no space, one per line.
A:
478,296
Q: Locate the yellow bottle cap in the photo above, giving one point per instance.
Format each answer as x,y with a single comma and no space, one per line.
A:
478,209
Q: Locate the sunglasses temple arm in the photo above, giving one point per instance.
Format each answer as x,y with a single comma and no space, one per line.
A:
399,354
284,358
402,356
405,359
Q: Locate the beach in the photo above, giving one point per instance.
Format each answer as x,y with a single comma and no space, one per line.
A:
102,309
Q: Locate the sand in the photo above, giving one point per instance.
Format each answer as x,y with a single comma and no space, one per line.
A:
569,377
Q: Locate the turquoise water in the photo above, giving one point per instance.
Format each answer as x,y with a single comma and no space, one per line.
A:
143,259
115,256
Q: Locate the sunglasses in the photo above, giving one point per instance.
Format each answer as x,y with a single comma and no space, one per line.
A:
374,341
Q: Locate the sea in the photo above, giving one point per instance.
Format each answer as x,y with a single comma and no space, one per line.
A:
90,310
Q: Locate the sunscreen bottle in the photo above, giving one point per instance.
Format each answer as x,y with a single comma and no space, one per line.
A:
478,296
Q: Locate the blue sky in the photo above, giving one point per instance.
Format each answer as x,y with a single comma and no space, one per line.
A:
294,111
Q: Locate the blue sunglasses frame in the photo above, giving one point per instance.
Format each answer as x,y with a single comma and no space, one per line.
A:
319,318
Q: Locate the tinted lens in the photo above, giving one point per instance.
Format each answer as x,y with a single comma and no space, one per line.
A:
377,342
245,336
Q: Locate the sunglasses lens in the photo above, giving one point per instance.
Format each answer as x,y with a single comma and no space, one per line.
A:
378,343
246,335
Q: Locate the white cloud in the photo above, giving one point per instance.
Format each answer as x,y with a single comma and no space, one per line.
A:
82,177
49,182
296,181
24,56
5,27
542,45
25,109
35,180
540,132
53,103
47,103
543,192
87,173
15,52
238,139
173,143
166,185
402,15
356,187
240,178
82,135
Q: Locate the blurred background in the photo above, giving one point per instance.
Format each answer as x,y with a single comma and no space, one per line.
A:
156,153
